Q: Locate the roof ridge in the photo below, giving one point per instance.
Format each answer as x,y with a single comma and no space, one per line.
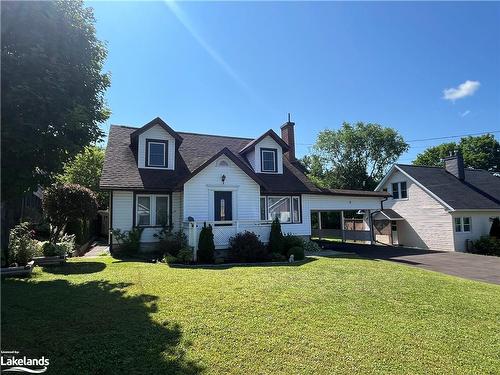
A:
420,166
216,135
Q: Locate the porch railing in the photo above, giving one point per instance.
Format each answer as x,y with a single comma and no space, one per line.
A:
224,230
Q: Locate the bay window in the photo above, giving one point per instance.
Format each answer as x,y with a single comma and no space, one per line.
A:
285,208
152,210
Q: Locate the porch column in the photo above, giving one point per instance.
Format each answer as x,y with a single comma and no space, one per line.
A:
370,223
342,225
319,224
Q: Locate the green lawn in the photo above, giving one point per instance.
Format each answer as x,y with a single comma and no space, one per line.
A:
331,315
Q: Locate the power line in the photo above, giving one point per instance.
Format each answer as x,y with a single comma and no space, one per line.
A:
428,139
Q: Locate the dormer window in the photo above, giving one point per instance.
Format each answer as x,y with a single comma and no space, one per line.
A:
269,159
156,153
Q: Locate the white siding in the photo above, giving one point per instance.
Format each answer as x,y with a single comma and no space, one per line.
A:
122,210
267,142
480,226
198,192
156,132
427,223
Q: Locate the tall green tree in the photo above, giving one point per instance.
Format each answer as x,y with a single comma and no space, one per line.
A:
354,156
481,152
52,89
85,170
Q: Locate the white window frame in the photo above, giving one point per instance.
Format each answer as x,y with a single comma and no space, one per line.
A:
274,152
152,209
399,183
163,165
292,198
459,223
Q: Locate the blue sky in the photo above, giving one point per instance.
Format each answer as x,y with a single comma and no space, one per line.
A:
238,68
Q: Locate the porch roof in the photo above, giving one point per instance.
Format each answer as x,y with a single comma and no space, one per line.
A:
388,214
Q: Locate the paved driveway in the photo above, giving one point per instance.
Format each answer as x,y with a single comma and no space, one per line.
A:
469,266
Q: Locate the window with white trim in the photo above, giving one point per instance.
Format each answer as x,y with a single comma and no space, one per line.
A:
399,190
152,210
269,160
156,153
463,224
285,208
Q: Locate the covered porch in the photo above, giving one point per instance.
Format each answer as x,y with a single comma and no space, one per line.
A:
341,225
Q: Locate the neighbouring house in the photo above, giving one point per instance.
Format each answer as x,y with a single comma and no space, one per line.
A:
437,208
160,177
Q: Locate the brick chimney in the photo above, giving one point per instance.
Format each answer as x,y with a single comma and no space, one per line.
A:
288,135
455,165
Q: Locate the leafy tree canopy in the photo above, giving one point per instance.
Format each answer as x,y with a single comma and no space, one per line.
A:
355,156
63,203
481,152
52,89
85,169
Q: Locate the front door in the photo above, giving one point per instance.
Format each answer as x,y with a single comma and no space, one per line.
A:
394,232
223,205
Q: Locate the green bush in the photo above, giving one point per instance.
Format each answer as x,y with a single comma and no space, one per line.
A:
289,241
246,247
171,242
486,246
206,246
298,253
277,257
129,241
276,238
495,228
22,245
311,246
81,229
185,255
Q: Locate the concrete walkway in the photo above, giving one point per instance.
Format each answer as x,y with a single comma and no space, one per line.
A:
469,266
97,249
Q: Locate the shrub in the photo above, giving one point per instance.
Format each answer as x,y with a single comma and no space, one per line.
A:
185,255
81,229
277,257
298,253
495,228
171,242
67,244
206,246
246,247
22,245
170,259
486,246
129,241
311,247
289,241
276,238
63,203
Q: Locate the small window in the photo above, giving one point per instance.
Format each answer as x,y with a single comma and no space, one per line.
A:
143,210
296,209
399,190
466,222
404,193
395,190
268,160
152,210
458,224
263,210
286,209
161,211
156,153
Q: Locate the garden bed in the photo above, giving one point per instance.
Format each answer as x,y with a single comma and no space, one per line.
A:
45,261
18,271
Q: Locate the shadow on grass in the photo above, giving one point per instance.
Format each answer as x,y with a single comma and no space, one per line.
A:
243,265
75,268
90,328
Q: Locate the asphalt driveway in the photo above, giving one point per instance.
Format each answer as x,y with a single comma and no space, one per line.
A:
469,266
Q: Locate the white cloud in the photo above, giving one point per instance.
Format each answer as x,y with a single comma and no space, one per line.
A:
467,88
463,114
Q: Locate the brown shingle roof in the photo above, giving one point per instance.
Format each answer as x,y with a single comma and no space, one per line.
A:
120,169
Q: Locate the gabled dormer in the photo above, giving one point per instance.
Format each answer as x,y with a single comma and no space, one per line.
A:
156,143
265,154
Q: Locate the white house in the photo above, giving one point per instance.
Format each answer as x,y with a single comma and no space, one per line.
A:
159,177
437,208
